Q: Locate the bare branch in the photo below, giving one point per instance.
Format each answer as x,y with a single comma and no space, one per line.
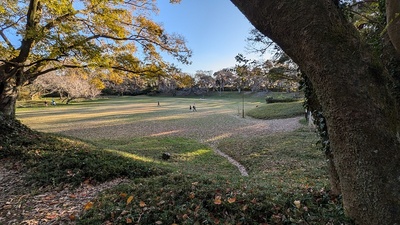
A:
6,40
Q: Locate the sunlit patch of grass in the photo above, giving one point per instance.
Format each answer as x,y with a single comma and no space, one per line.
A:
277,110
131,156
186,154
192,155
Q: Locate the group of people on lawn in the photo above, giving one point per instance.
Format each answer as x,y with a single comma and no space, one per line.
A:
52,102
191,108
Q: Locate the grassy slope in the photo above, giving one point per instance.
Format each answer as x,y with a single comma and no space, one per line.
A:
195,186
277,110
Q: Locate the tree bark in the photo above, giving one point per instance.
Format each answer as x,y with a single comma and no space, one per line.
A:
352,87
393,21
12,74
315,107
8,97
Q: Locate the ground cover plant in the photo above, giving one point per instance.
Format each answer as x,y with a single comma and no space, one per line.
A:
126,137
277,110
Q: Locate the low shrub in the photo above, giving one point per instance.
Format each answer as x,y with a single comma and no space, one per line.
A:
279,100
183,199
73,163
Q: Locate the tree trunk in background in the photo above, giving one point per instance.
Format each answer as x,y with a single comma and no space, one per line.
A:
351,85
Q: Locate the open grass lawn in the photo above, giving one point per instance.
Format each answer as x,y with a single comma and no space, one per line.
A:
97,141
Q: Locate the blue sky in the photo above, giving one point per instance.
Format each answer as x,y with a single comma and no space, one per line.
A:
215,30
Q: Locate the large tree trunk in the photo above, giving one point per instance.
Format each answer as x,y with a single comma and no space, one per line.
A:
8,97
351,86
12,74
393,20
315,107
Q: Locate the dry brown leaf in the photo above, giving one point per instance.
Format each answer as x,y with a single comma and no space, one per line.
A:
72,196
129,200
129,220
72,217
297,204
232,200
88,206
123,195
51,216
217,200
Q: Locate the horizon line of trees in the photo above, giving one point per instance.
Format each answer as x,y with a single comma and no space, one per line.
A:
254,76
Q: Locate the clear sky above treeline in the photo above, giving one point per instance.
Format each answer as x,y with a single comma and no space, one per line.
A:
215,30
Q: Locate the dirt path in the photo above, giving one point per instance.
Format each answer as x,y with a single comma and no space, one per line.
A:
253,128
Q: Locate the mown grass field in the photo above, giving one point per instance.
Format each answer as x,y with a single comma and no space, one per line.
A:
126,137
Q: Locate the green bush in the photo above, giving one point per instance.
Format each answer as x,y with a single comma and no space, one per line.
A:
280,100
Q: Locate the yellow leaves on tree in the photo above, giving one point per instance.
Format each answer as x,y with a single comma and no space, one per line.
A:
85,35
59,7
97,83
116,78
150,26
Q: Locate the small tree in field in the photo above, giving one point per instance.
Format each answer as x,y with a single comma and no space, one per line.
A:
68,86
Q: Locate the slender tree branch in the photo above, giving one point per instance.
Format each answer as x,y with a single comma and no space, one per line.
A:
57,21
363,16
6,40
31,25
